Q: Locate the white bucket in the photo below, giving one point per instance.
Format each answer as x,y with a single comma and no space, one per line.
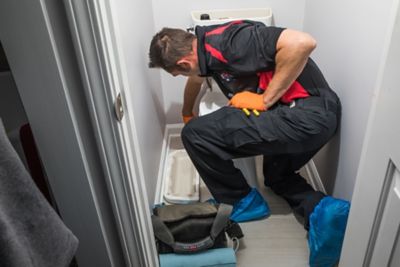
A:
182,180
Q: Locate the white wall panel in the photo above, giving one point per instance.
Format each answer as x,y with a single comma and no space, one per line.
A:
350,36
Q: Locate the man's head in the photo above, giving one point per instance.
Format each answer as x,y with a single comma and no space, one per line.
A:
175,51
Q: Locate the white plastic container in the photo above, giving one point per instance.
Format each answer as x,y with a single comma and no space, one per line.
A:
219,16
182,180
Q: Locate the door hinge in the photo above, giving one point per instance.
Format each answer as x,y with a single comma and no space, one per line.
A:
119,109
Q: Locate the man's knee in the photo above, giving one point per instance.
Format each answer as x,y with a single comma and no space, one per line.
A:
198,130
190,131
187,133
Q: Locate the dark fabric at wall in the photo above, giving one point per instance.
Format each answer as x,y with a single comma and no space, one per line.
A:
3,60
31,232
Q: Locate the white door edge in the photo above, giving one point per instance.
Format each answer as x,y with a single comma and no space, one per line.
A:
366,211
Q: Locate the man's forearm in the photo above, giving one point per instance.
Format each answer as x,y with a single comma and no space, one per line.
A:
293,50
192,89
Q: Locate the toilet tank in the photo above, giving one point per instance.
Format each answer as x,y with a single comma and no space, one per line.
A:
219,16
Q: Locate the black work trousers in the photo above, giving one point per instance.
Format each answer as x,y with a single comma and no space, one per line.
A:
287,135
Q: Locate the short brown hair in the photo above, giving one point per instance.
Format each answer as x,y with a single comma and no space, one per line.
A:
168,46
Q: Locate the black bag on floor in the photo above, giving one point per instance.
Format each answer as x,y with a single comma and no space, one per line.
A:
193,227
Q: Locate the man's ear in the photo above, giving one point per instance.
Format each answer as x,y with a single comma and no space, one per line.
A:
184,64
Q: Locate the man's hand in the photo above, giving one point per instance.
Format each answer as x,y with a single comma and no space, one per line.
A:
248,100
186,119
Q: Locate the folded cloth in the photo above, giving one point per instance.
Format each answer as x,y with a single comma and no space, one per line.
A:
327,227
251,207
210,258
31,232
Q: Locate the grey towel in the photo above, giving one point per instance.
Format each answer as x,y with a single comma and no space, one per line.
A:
31,232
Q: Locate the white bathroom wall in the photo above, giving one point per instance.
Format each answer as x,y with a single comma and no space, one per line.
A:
136,28
350,36
176,14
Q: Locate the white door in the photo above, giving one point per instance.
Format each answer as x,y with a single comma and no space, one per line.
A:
93,29
372,237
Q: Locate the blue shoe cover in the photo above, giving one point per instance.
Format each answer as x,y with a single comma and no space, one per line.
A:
327,226
251,207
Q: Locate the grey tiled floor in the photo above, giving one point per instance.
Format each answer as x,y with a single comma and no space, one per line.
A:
277,241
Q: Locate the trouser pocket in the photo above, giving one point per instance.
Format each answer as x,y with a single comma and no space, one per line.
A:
237,129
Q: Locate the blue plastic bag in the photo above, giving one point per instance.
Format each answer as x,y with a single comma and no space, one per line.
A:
251,207
327,227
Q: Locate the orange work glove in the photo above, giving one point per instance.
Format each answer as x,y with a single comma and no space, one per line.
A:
248,100
186,119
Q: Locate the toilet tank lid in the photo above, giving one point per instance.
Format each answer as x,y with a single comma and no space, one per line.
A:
219,16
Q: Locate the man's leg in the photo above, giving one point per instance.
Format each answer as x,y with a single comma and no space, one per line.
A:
206,144
212,141
281,173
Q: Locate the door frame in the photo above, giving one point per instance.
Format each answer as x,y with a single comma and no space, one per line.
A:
101,66
38,45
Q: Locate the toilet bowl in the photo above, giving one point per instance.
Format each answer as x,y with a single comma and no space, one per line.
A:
212,100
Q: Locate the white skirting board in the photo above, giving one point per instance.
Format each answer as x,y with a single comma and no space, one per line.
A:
173,131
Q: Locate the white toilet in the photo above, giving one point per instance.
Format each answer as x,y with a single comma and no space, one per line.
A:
213,98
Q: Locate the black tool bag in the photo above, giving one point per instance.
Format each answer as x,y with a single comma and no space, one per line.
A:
193,227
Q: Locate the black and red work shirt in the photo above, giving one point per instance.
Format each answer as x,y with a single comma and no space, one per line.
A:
240,55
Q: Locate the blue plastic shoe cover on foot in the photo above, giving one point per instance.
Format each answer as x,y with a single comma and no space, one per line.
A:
327,226
251,207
